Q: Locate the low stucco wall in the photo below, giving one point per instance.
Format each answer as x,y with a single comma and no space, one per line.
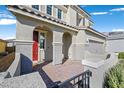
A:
15,67
98,70
95,57
32,80
12,78
13,70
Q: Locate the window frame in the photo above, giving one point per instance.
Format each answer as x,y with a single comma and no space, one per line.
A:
43,46
49,9
34,7
59,14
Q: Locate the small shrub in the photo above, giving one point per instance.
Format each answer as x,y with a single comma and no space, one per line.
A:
115,77
121,55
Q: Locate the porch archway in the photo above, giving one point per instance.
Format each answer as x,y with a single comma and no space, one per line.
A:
42,46
67,41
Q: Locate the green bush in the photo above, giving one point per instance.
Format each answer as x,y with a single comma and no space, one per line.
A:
115,77
121,55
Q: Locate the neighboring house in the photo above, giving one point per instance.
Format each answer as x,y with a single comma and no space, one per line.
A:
11,42
3,45
115,42
11,45
55,32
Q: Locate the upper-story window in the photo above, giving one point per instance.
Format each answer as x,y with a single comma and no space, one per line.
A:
49,9
59,13
35,7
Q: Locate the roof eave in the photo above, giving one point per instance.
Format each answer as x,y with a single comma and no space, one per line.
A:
11,8
94,31
83,11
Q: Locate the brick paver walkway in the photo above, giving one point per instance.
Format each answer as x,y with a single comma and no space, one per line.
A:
58,73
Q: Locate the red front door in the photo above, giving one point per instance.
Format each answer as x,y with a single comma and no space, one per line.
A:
35,46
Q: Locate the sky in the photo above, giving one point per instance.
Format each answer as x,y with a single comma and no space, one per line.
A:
106,18
7,24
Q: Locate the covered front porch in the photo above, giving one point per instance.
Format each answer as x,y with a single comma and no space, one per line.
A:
51,46
56,74
55,56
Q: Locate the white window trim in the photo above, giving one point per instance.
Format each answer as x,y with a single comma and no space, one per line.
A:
52,10
62,16
56,10
40,8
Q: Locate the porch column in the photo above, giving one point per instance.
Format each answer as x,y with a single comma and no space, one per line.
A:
57,47
24,42
79,45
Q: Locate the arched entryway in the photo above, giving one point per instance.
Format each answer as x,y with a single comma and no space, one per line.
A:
42,47
67,41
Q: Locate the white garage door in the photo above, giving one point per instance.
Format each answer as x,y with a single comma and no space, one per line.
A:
95,47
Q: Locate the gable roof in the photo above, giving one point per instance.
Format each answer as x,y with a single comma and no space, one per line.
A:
48,17
40,14
84,11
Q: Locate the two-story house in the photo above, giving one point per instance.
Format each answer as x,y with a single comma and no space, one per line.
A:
55,32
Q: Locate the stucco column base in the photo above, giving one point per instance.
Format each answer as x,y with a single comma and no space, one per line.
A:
78,51
57,53
25,49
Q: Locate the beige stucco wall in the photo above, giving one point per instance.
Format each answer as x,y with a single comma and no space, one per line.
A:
57,46
78,46
71,20
97,45
49,46
43,8
24,28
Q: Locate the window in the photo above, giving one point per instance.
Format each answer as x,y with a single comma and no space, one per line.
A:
42,40
49,9
59,13
35,7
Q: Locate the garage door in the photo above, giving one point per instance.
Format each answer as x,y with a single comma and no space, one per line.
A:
95,46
